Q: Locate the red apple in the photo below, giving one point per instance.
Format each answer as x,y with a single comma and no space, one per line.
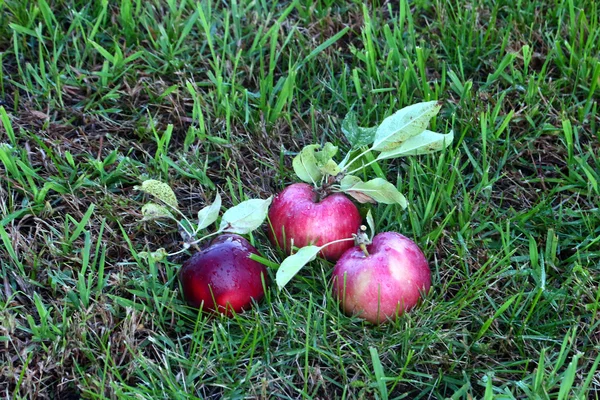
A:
384,284
222,278
297,214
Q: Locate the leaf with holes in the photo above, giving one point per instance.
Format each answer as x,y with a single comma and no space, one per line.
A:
306,166
325,161
153,211
160,190
356,135
156,256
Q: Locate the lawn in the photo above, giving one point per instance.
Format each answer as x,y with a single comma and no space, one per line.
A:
98,96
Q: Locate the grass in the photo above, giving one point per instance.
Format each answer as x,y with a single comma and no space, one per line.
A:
97,96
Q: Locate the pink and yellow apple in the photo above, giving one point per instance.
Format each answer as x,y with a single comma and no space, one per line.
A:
384,284
296,214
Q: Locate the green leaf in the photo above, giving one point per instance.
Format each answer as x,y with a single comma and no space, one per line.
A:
5,119
310,165
246,216
379,373
325,161
377,189
356,135
350,181
160,190
23,30
158,255
569,377
371,223
152,211
330,168
498,313
306,166
294,263
424,143
404,124
209,214
134,57
103,51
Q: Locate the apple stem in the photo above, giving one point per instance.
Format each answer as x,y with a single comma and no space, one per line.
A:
325,188
362,167
177,252
195,242
362,239
354,159
338,241
363,247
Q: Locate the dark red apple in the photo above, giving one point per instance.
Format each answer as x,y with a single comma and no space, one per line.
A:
222,278
384,284
297,214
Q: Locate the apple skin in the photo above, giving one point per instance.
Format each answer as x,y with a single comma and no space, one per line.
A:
222,278
296,214
396,272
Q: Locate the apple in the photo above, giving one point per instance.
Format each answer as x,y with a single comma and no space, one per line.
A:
385,283
222,277
296,213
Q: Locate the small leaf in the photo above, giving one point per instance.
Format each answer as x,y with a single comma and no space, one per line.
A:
310,165
371,224
356,135
209,214
325,160
294,263
160,190
305,165
330,168
152,211
246,216
327,153
424,143
377,189
404,124
157,256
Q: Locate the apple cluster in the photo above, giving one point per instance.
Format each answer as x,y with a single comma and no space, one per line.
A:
375,281
376,277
